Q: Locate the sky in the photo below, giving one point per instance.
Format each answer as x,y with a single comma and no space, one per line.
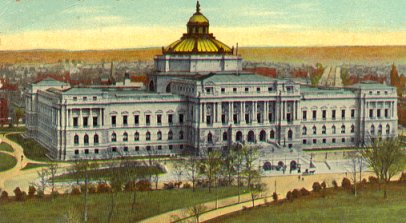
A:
112,24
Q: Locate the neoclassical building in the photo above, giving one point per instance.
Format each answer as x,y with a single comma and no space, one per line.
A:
198,99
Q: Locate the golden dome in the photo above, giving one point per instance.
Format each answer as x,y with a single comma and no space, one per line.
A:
197,40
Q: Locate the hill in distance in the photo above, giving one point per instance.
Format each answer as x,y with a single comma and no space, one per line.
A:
296,55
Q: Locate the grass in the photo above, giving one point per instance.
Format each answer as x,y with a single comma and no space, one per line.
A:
34,165
4,130
7,161
105,173
338,206
6,147
32,149
148,204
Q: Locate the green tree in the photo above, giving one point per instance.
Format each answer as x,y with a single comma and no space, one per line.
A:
211,166
19,113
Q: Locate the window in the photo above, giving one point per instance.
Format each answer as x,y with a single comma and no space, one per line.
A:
181,118
352,128
76,140
223,90
269,89
159,119
180,147
223,119
352,139
378,113
181,135
333,140
95,122
387,129
170,119
270,116
137,148
210,138
94,98
148,148
371,113
125,137
343,114
85,122
75,98
314,115
96,139
290,134
114,137
342,129
380,130
259,118
333,114
323,130
304,141
343,140
333,129
246,89
235,118
125,149
304,115
113,120
84,98
170,135
96,151
324,141
148,136
170,147
352,113
386,113
86,140
208,120
159,135
372,130
272,134
234,90
76,152
225,136
148,119
208,90
324,114
258,89
136,136
125,120
304,130
247,118
159,147
314,130
136,119
314,141
75,122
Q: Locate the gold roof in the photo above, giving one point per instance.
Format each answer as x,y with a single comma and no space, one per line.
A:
198,40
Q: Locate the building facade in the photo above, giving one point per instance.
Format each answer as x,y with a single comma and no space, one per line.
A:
198,100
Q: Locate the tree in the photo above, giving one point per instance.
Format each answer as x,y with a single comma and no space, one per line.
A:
178,170
238,166
43,182
211,166
250,155
228,165
192,166
19,113
356,164
196,211
386,157
53,168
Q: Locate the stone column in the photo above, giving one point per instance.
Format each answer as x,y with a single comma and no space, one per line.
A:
254,111
219,111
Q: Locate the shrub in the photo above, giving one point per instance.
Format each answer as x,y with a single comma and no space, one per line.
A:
187,186
316,187
295,193
346,183
373,179
31,191
402,178
4,196
364,182
40,193
130,186
323,185
304,192
169,186
55,194
335,184
75,191
178,184
19,195
289,196
275,196
103,188
92,189
143,185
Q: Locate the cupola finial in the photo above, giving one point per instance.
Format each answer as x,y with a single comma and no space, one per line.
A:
198,7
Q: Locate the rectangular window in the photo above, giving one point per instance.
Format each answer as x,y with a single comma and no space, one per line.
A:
170,119
76,152
137,148
125,149
86,151
208,120
324,141
223,90
386,113
170,147
94,98
247,118
75,98
314,115
270,89
125,120
113,120
304,115
159,119
96,151
85,122
159,147
314,141
234,90
84,98
371,113
352,113
75,122
333,140
324,114
223,119
378,113
270,116
304,141
258,89
333,114
343,114
343,140
136,119
181,118
259,118
235,119
148,119
95,122
247,89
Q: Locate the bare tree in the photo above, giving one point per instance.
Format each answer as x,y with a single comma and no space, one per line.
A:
192,167
178,170
238,166
43,181
211,164
250,155
53,168
196,211
356,162
386,157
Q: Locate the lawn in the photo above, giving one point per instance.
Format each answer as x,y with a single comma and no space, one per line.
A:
7,161
11,129
34,165
6,147
32,149
341,206
148,204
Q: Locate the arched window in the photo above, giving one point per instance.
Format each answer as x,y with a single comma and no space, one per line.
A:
262,136
304,130
314,130
181,135
76,139
272,134
372,130
86,140
342,129
159,135
380,130
225,136
210,138
387,129
290,134
96,139
251,136
168,88
323,130
352,128
125,137
136,136
151,86
238,136
148,136
170,135
333,129
114,137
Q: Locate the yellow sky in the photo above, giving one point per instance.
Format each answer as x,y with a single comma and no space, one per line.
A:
136,37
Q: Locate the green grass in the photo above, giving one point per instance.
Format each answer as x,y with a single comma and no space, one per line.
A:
6,147
34,165
369,206
11,129
32,149
148,204
7,161
98,174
